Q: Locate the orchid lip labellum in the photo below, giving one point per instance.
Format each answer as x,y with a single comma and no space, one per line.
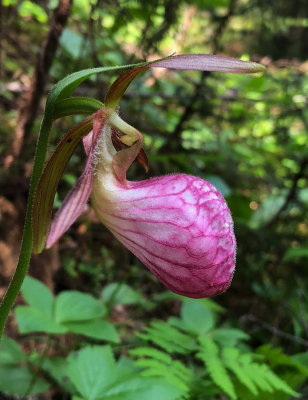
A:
178,225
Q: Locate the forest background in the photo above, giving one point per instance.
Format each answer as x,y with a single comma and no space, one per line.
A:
245,134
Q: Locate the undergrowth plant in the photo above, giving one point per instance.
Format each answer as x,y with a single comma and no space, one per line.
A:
191,356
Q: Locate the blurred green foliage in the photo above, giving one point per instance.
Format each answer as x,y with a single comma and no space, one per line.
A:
246,134
160,360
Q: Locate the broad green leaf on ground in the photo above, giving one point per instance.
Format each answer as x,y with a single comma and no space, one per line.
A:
97,376
197,317
97,329
136,388
228,336
121,293
92,370
76,306
10,352
19,380
31,320
38,295
56,367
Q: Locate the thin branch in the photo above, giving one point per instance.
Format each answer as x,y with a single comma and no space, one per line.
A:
275,331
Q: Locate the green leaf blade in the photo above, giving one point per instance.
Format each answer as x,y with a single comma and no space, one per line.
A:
11,352
38,296
77,306
96,329
76,106
49,180
197,317
16,380
91,370
30,320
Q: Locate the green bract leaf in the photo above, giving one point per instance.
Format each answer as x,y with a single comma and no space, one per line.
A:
48,183
67,85
76,105
118,88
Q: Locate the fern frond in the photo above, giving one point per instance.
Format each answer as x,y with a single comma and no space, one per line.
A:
209,354
161,342
151,367
158,363
254,375
152,353
231,360
182,371
168,338
276,382
173,334
154,368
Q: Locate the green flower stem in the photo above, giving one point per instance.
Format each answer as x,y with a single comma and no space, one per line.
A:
26,244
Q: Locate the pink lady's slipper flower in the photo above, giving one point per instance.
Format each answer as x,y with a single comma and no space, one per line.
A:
178,225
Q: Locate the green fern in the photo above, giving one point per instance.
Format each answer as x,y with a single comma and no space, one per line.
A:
168,338
227,368
209,354
157,363
254,376
151,353
273,380
230,356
